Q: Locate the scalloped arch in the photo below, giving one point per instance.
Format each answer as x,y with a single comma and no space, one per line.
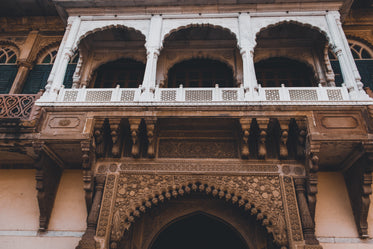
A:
199,23
46,49
270,214
103,28
297,22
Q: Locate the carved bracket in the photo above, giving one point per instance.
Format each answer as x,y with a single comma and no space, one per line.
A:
134,128
99,137
87,158
312,167
359,185
263,125
245,126
115,136
48,174
150,132
88,241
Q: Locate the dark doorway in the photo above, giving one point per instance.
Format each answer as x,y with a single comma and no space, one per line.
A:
199,231
127,73
278,70
200,73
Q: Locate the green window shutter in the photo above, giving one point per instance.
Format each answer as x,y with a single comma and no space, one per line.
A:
7,75
337,72
37,79
68,81
365,68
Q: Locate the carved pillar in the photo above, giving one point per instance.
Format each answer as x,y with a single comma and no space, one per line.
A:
48,175
330,77
312,167
246,44
263,124
88,241
359,185
245,126
351,76
153,46
57,75
150,132
134,128
115,136
87,158
25,61
99,137
284,125
308,224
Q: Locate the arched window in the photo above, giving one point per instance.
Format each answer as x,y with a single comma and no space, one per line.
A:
363,57
200,73
8,68
127,73
38,77
276,71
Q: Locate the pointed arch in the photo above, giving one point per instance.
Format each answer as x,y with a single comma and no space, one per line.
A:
137,194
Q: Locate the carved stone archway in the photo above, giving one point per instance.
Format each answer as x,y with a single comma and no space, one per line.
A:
128,194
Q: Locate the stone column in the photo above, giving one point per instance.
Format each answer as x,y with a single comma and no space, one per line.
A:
25,62
152,45
351,76
246,43
88,241
307,223
64,54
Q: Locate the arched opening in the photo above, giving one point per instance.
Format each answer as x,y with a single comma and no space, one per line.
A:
279,70
200,73
291,47
363,57
199,231
126,73
8,68
38,76
200,56
114,55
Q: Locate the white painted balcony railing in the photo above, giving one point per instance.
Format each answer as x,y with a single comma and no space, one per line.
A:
221,96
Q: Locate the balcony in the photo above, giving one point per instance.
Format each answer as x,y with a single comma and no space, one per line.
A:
203,96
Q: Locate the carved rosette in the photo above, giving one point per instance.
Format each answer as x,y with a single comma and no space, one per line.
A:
260,195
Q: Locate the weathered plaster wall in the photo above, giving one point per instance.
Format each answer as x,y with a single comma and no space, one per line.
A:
19,212
335,224
18,203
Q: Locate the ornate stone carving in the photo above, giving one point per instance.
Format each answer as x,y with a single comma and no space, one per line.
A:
312,167
136,193
193,148
48,175
291,210
302,133
88,241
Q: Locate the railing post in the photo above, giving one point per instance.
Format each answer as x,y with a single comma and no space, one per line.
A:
81,94
284,93
322,93
116,94
180,93
217,92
